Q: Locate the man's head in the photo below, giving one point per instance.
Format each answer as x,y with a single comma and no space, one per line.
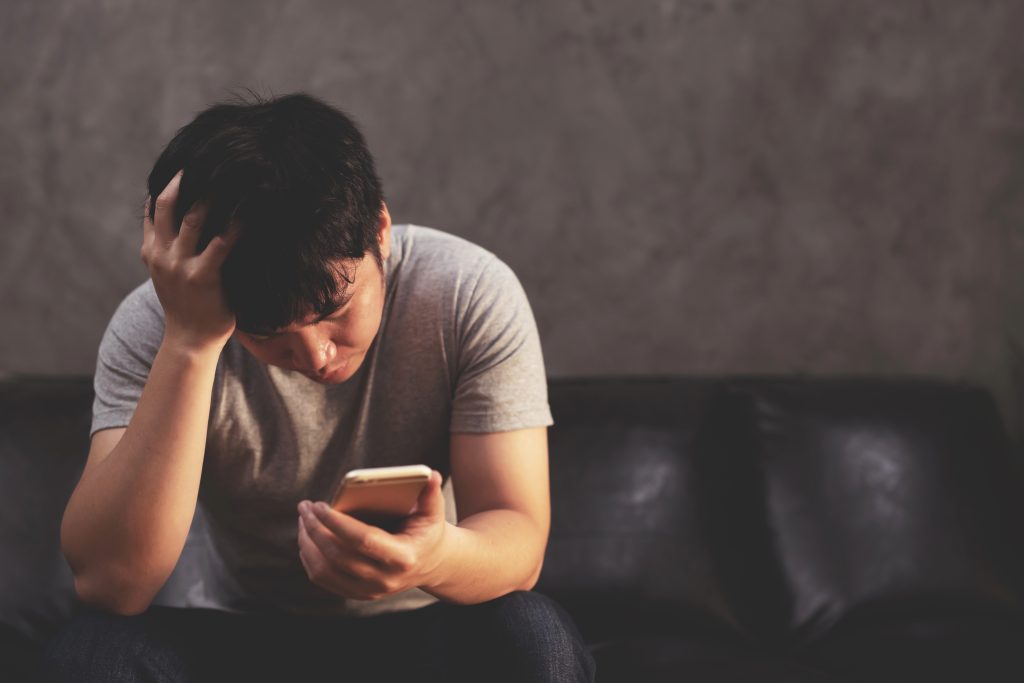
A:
296,175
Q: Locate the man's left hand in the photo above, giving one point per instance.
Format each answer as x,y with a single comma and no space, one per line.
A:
360,561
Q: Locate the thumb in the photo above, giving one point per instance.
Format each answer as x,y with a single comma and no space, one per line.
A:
431,500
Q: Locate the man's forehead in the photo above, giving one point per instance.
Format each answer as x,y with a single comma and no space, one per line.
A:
314,317
345,282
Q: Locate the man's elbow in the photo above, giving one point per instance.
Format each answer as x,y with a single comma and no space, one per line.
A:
534,577
530,584
112,596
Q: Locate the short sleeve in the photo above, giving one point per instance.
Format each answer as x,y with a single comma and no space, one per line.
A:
126,354
501,384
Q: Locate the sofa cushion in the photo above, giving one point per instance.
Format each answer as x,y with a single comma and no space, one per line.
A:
669,659
936,644
44,436
882,495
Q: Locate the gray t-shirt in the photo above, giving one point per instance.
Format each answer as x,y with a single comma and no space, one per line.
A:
457,351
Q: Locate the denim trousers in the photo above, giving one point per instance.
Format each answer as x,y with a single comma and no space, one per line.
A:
523,636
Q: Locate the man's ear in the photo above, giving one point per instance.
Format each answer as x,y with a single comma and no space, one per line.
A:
384,231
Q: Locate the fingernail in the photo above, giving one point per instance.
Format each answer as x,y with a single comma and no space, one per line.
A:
304,507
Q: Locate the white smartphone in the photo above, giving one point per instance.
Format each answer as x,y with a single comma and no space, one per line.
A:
381,494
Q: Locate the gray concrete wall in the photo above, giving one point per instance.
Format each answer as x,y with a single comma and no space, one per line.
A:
713,186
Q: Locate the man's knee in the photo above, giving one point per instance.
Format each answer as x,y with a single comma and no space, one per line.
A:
534,611
95,646
536,637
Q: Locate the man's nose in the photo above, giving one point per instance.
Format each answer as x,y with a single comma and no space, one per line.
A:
314,350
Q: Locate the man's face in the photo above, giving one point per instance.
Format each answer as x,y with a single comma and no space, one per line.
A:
332,350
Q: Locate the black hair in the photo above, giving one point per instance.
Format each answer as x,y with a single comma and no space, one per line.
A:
296,175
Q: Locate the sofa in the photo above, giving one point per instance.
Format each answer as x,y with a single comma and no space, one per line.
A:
703,528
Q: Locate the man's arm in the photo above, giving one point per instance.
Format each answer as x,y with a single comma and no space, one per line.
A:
126,522
502,496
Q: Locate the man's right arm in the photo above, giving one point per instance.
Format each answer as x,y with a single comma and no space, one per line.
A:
127,520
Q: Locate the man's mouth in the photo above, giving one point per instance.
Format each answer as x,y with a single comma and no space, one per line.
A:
317,377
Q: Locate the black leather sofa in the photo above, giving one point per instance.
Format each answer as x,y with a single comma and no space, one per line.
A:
715,529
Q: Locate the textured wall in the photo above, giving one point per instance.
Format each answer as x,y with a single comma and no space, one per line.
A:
691,186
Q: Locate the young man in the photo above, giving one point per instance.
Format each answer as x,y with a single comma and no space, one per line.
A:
290,333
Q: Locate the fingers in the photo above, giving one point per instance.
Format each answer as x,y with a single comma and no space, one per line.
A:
359,537
164,221
334,550
191,229
217,250
313,561
431,501
148,233
325,573
186,239
305,547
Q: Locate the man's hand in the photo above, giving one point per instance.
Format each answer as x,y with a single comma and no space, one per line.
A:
188,285
356,560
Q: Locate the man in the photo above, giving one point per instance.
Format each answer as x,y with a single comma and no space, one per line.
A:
290,333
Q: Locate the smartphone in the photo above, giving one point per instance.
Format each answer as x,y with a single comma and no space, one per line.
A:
381,495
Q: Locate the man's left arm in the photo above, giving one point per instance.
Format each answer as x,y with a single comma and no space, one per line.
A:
501,493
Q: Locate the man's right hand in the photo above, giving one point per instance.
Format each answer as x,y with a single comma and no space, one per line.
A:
196,315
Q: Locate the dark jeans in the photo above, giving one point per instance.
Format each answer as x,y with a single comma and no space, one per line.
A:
522,636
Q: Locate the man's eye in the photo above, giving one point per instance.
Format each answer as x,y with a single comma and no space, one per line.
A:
258,338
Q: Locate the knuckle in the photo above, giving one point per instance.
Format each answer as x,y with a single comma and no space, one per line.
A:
317,571
192,220
367,544
156,265
195,277
164,202
404,562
